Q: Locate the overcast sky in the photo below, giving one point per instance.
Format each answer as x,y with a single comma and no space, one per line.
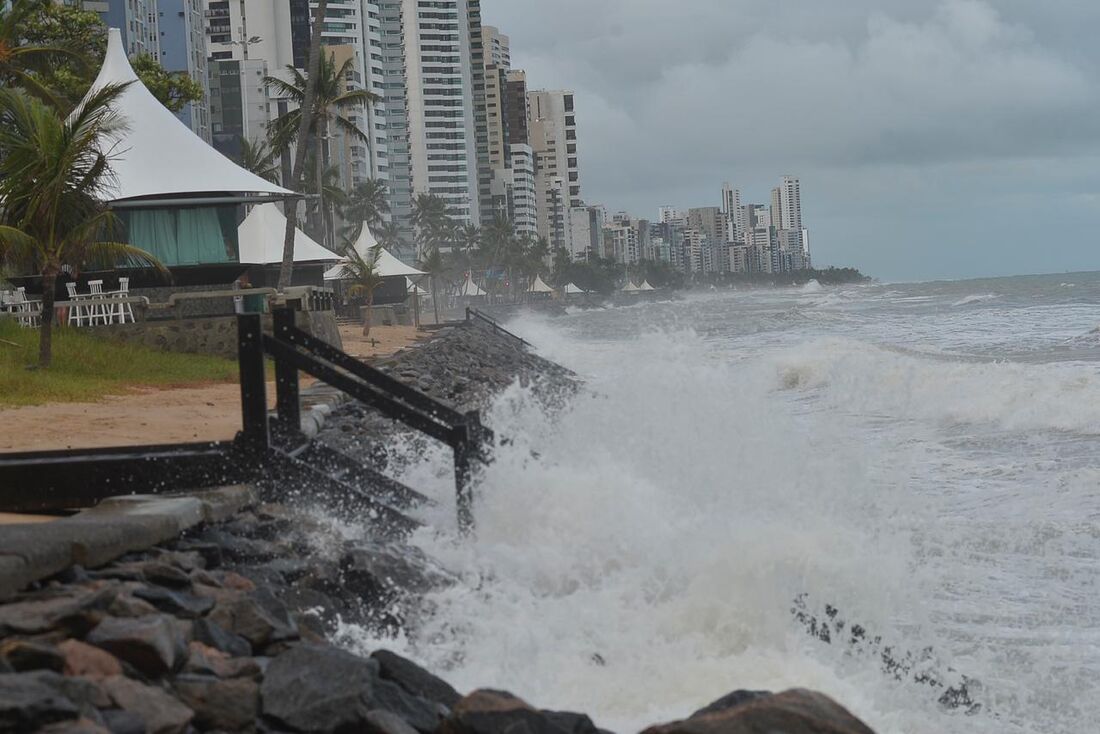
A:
933,138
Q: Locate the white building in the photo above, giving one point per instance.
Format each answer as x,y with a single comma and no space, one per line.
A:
552,130
791,204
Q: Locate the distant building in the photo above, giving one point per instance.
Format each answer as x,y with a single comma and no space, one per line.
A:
552,128
137,20
239,106
183,50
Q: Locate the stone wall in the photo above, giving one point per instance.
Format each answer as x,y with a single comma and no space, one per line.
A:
216,335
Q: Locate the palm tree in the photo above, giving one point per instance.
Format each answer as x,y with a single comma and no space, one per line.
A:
53,175
432,222
365,203
258,157
21,62
435,267
497,241
365,278
389,236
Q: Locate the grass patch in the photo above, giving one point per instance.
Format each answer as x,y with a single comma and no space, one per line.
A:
86,368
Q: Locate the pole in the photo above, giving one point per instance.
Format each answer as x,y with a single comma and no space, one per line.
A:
287,397
250,357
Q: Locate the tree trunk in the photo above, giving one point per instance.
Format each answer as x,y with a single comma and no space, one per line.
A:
320,173
435,300
286,269
45,329
368,314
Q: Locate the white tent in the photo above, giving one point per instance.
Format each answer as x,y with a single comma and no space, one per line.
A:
539,286
156,155
415,288
645,286
388,265
571,289
470,289
261,239
630,288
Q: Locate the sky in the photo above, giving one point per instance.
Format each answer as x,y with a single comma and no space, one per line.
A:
933,138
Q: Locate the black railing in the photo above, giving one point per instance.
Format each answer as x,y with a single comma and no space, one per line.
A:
296,351
473,314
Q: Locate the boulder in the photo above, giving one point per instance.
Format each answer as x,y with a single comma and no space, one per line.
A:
72,609
385,722
796,711
259,618
415,679
27,702
152,644
88,661
487,712
25,655
731,700
225,705
160,712
205,660
176,603
83,725
316,688
211,633
119,721
125,605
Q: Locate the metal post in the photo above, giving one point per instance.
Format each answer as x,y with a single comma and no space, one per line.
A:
467,448
250,356
287,400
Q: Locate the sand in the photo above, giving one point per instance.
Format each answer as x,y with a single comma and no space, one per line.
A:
154,416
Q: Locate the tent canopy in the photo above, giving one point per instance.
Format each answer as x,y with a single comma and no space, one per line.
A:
415,288
261,239
645,286
470,289
388,265
538,286
630,288
572,289
156,155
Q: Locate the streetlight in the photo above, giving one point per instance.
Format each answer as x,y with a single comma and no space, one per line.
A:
245,44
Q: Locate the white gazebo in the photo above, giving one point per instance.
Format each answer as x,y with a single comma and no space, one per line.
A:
260,239
539,286
388,265
645,286
470,289
176,195
572,290
630,287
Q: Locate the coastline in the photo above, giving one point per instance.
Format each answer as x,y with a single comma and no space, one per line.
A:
228,628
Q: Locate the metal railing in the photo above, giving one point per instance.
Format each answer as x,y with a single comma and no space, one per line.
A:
473,314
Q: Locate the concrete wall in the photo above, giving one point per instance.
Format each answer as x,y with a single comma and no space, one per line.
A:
217,335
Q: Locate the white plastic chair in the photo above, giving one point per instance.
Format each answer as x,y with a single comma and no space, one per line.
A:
122,309
76,312
28,311
99,311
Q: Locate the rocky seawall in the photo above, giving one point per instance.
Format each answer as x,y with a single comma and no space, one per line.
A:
229,628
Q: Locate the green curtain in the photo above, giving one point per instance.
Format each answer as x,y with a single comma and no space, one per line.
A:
191,236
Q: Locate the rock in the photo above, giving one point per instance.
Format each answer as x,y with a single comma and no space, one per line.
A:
176,603
211,553
569,721
205,660
487,712
161,713
69,608
166,575
118,721
28,702
125,605
24,655
83,725
228,705
88,661
796,711
731,700
415,679
260,618
152,644
314,688
385,722
211,633
233,580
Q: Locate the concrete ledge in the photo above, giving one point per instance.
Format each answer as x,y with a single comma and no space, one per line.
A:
119,525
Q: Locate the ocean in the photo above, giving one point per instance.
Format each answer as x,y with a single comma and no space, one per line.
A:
922,458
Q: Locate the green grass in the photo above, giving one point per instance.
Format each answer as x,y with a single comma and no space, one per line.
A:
86,368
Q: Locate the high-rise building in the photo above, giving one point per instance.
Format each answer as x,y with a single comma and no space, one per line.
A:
791,201
239,105
552,128
183,50
137,20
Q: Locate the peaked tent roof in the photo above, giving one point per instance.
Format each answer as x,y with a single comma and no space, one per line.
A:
630,287
409,285
470,289
156,155
261,239
539,286
388,265
645,286
571,289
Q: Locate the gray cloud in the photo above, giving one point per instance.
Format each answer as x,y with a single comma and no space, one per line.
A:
674,98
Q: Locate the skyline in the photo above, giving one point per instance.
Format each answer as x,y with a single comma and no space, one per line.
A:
940,139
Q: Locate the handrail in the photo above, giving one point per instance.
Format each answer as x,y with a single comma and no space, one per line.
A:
295,351
472,313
